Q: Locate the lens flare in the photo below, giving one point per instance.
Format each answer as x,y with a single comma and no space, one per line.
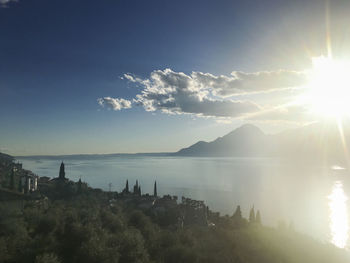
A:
329,87
339,224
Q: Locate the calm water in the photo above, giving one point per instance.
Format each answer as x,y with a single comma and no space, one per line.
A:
313,198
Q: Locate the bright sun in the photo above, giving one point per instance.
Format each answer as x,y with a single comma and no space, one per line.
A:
329,87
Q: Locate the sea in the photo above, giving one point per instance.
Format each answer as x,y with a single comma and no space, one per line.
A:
313,199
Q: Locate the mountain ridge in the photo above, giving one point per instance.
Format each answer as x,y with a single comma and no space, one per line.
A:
316,141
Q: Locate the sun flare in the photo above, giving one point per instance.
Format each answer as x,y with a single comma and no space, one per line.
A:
338,215
329,87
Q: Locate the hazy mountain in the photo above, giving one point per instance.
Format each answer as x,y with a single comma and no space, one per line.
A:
247,140
312,142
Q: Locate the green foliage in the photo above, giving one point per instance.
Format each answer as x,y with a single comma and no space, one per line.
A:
47,258
180,254
88,229
12,180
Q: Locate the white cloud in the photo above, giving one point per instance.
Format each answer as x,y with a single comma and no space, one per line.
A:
239,83
177,93
207,95
114,104
131,78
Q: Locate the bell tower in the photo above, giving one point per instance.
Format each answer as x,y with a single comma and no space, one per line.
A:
62,174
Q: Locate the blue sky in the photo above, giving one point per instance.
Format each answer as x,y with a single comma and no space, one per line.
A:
57,58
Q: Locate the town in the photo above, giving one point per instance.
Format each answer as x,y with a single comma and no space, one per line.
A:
23,184
58,220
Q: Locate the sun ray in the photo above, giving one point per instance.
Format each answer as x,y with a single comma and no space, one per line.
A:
328,31
343,141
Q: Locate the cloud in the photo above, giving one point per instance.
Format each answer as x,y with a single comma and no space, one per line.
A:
114,104
4,3
240,83
131,78
207,95
177,93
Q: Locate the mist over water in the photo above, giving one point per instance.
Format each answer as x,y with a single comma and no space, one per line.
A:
312,198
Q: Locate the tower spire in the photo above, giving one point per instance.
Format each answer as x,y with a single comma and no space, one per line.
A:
62,174
155,189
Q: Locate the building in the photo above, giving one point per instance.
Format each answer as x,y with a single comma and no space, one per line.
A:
61,175
28,182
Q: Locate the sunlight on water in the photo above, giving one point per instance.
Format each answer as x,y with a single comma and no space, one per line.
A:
338,215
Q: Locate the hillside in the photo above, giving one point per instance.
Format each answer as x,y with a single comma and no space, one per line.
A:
5,157
104,227
313,142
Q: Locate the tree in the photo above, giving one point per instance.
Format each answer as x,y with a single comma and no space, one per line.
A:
47,258
12,179
79,186
20,186
252,215
26,184
238,213
136,187
258,218
127,186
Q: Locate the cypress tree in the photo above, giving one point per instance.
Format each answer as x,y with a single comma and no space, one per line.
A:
127,186
238,213
136,188
258,218
252,215
79,186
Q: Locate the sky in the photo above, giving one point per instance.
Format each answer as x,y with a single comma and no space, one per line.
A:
85,76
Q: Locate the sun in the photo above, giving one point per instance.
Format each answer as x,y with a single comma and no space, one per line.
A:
328,90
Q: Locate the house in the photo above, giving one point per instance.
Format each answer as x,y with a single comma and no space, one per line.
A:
28,182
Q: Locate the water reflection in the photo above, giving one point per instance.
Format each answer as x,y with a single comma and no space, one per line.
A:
338,215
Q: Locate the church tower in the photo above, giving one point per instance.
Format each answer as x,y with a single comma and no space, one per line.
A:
155,189
127,187
62,174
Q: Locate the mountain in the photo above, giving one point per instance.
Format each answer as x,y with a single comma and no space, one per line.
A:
318,141
248,140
